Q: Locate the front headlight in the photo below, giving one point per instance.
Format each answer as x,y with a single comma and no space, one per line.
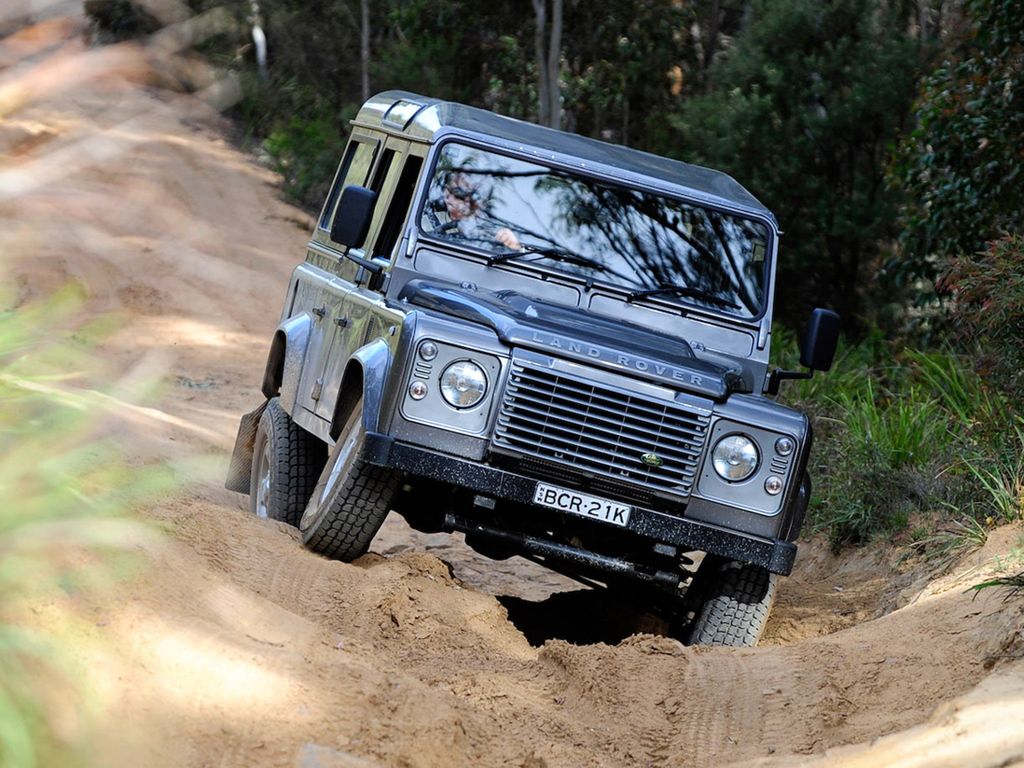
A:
735,458
463,384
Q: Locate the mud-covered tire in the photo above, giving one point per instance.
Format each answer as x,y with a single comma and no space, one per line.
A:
351,497
736,599
286,462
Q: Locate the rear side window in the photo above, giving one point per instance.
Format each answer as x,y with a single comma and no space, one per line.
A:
354,169
383,169
399,208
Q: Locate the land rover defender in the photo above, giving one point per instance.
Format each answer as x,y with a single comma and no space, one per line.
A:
554,345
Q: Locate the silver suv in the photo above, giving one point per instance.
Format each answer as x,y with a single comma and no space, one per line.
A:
554,345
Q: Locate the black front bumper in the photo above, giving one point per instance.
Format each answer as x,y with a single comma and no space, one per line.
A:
775,555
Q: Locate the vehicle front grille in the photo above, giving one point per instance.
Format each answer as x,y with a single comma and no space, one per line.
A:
600,429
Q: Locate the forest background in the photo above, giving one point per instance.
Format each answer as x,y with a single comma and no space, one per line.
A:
886,135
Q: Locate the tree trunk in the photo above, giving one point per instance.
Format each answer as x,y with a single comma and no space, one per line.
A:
548,56
554,64
540,13
364,47
711,41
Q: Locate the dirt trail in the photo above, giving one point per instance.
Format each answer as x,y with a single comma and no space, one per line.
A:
235,647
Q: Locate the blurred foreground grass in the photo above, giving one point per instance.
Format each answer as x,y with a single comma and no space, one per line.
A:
66,491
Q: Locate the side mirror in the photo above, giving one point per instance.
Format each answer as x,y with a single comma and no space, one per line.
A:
352,216
821,337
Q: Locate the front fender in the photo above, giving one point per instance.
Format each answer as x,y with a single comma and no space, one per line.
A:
366,372
284,365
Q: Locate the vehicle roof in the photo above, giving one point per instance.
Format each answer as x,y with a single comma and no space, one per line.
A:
428,119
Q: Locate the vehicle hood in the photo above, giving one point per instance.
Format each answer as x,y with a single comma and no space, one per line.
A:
571,332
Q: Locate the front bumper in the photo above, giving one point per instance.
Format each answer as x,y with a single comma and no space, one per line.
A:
689,535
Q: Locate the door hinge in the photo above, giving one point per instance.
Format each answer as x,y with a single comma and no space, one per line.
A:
317,389
341,322
319,312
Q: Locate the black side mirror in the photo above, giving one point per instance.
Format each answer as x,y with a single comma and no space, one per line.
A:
353,215
821,337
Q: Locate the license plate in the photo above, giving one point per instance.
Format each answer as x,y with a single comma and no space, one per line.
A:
580,504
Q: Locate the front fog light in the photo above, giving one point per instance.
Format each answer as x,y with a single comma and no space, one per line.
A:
463,384
428,350
735,458
417,390
773,485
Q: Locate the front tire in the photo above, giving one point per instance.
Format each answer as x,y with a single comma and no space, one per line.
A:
736,599
351,498
286,461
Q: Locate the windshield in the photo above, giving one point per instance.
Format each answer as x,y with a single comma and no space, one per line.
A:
524,212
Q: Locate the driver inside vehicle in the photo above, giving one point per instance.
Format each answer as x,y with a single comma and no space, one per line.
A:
468,218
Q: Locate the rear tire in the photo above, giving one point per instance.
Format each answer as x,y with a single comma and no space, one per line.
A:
286,461
736,599
351,498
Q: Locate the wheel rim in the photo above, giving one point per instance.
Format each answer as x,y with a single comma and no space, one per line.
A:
345,452
263,482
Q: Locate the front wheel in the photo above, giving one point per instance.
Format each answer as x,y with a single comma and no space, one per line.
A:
735,600
351,498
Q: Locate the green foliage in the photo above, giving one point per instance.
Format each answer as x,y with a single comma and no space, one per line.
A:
961,166
617,75
803,111
446,48
972,404
988,308
1000,475
66,488
1013,584
894,431
880,465
305,153
907,435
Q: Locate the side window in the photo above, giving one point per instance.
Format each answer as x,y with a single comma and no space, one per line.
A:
383,170
383,181
397,212
354,168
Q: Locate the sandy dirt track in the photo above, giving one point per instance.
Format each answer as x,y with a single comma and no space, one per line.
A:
236,647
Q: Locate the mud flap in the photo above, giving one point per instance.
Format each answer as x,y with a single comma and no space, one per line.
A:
240,469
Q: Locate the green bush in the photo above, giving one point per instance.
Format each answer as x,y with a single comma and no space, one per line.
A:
974,406
881,463
960,167
988,309
999,474
905,435
900,430
306,153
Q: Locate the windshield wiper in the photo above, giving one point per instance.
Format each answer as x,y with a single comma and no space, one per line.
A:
682,290
552,252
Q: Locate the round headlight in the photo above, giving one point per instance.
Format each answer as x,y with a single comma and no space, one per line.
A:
463,384
735,457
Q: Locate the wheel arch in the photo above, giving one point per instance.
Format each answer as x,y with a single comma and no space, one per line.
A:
365,375
284,363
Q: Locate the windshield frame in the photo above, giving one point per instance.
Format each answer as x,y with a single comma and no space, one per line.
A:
616,177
